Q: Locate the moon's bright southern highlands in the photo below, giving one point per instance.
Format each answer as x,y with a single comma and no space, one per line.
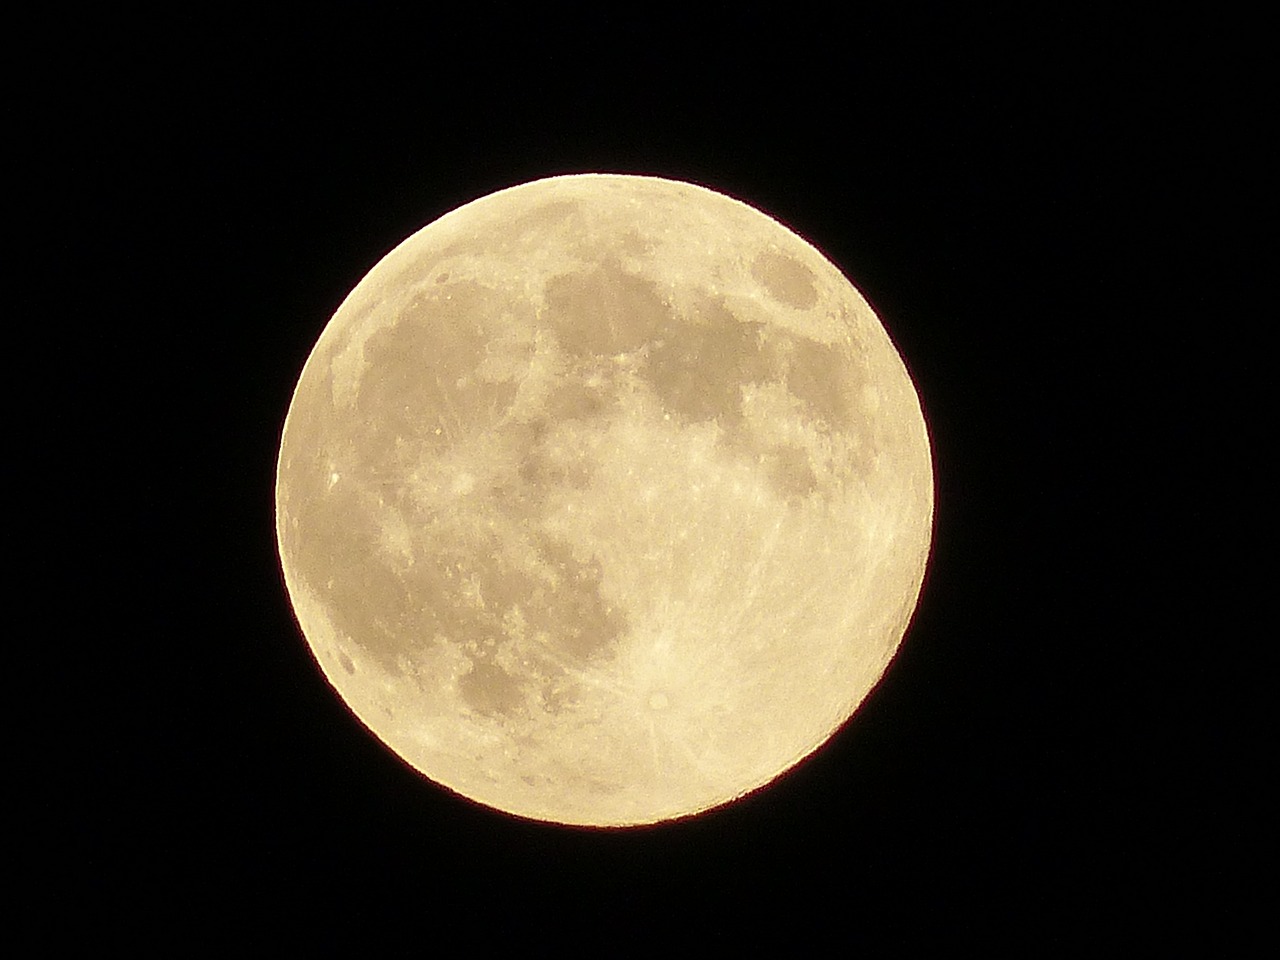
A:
604,500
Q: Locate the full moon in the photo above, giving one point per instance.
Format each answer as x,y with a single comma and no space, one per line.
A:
604,500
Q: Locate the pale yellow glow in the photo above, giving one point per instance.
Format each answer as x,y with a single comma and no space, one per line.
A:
604,500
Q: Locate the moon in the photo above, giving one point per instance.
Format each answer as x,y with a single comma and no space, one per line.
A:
604,500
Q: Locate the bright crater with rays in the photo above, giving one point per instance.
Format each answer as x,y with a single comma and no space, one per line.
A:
604,500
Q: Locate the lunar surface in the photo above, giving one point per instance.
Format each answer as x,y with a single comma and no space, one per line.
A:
604,500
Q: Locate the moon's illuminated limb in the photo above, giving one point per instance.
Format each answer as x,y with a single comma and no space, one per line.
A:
604,499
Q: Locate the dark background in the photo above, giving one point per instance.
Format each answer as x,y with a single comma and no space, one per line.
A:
1031,205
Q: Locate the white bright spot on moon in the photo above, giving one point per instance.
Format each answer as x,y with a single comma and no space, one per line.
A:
635,500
